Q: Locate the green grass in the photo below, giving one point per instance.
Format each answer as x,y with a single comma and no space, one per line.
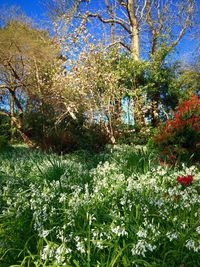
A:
118,208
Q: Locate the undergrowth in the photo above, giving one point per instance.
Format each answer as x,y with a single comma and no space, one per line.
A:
116,208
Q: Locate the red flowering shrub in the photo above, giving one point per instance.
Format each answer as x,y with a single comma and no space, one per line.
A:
181,134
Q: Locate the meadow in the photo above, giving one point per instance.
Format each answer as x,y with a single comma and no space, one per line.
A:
117,208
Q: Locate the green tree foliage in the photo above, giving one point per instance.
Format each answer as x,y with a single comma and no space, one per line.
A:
162,90
189,79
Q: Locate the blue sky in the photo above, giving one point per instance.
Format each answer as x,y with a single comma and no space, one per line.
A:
35,9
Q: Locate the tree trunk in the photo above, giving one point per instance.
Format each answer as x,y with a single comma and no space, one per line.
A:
117,113
18,122
12,111
138,114
109,131
26,139
134,27
135,47
111,14
138,118
154,110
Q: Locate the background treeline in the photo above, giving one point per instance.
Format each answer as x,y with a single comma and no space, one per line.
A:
68,90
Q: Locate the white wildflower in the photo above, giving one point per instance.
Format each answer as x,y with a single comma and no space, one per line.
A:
190,244
172,235
45,233
198,230
142,247
80,246
142,233
119,231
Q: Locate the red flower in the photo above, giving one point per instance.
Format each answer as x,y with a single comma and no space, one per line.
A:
178,179
185,180
190,178
172,157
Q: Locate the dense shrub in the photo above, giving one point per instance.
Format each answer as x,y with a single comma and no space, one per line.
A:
67,135
4,131
180,137
3,141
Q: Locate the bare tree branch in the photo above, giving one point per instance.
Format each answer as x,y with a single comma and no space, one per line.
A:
184,27
120,43
111,14
117,21
123,3
3,86
4,113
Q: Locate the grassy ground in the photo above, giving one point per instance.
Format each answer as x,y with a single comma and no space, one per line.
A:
118,208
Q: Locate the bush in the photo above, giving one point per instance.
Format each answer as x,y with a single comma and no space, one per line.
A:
66,136
180,137
92,138
4,131
3,141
